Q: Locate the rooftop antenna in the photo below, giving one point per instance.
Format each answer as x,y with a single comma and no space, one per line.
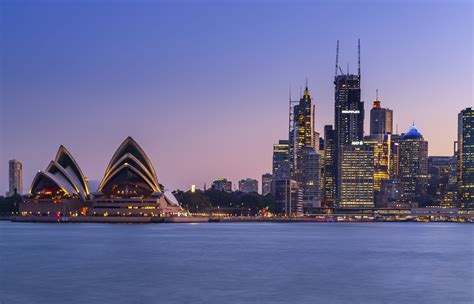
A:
289,95
397,128
377,94
358,46
337,58
306,82
347,68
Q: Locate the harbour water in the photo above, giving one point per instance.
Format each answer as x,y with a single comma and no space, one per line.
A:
237,263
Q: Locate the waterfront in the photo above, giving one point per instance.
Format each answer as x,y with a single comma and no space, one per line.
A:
237,263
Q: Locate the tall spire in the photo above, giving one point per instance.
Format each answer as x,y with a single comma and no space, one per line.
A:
306,90
377,103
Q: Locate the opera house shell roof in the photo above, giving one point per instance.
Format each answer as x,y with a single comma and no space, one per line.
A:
130,174
62,178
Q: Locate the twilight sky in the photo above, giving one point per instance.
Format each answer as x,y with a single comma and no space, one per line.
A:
203,85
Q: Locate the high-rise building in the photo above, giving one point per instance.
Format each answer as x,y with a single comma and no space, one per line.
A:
413,167
348,113
381,119
222,184
465,157
267,183
288,197
311,168
349,109
15,177
330,167
248,185
303,149
441,191
381,145
281,164
356,176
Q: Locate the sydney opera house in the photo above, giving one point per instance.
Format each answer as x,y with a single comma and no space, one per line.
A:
129,187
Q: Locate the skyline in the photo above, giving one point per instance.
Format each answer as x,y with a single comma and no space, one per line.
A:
180,88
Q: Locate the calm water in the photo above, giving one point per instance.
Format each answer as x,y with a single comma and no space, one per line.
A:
237,263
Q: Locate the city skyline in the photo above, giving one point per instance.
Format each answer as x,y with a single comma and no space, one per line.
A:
70,107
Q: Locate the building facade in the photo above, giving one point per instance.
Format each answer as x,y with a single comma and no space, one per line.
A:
222,184
311,167
267,183
413,167
330,167
288,198
281,162
248,185
15,177
465,158
381,119
356,176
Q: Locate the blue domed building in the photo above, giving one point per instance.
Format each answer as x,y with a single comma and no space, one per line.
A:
413,167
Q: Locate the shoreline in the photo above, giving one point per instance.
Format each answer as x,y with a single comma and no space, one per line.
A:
237,219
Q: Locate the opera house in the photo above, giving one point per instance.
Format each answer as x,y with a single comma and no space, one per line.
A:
129,187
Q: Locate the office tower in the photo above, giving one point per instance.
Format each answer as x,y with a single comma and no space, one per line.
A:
356,176
248,185
349,109
330,167
15,177
395,140
441,191
288,197
304,145
267,183
381,145
381,119
281,165
311,178
348,113
465,158
413,167
222,184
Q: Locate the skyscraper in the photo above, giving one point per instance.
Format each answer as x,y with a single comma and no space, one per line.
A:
349,109
348,116
381,119
281,164
330,167
356,176
15,177
465,157
413,167
248,185
311,167
267,183
304,143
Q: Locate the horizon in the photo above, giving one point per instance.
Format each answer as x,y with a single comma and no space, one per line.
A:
209,97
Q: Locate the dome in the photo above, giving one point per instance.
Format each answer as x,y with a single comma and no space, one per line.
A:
413,133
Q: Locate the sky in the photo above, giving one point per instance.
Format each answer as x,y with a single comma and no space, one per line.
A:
203,85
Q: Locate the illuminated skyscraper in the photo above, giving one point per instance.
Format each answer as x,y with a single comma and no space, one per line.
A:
381,119
281,164
267,183
356,176
381,145
465,157
348,115
15,177
413,166
303,149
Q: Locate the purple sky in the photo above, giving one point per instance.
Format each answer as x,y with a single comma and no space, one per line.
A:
203,85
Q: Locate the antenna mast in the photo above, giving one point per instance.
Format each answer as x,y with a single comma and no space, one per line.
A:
337,58
358,46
